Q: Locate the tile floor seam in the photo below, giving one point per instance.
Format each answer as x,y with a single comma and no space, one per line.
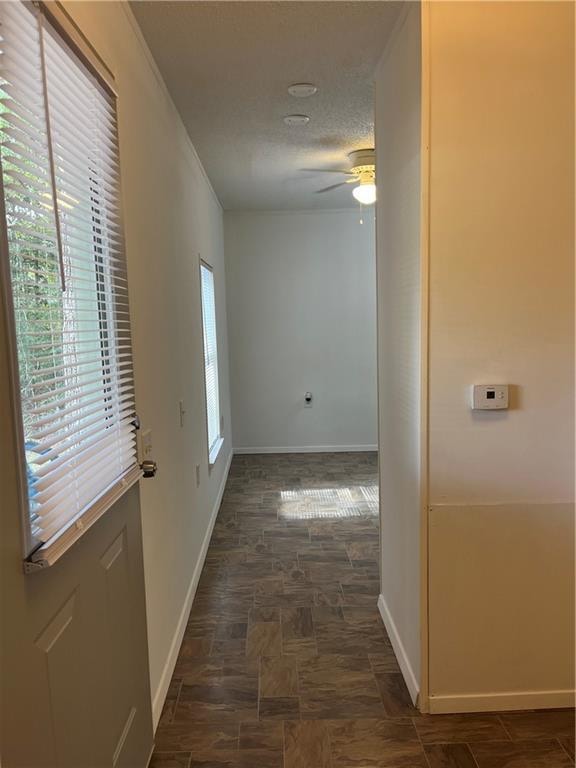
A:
177,700
476,763
564,749
330,750
259,691
426,756
503,724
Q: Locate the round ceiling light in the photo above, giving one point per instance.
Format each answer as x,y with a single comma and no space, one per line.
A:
302,90
365,193
296,120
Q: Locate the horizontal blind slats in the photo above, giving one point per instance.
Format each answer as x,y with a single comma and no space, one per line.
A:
73,337
48,400
48,494
60,422
92,453
46,471
64,367
57,514
49,406
94,432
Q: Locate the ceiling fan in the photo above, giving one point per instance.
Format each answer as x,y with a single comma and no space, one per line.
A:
362,173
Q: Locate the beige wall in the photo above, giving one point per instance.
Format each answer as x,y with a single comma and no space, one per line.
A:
501,607
501,311
171,215
501,242
492,301
399,337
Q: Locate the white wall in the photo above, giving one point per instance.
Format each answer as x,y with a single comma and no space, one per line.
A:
399,337
171,216
501,311
302,317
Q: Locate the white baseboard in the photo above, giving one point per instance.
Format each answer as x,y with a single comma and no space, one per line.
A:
160,694
403,660
501,702
309,449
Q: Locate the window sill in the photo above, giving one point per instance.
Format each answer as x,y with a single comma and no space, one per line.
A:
213,455
47,554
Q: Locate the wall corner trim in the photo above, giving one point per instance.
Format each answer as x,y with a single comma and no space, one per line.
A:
162,83
160,694
401,655
395,31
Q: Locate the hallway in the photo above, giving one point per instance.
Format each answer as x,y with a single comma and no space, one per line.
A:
287,384
285,662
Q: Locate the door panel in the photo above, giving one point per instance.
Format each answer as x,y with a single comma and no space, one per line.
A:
73,653
61,648
115,575
88,666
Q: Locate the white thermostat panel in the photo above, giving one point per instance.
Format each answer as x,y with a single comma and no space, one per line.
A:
489,397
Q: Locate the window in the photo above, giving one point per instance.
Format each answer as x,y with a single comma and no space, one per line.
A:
210,361
67,281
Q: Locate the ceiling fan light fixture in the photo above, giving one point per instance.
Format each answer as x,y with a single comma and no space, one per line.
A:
365,193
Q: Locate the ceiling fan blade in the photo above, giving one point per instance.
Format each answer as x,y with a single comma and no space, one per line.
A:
332,186
326,170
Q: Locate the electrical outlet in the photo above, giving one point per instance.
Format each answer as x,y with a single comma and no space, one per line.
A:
182,412
197,475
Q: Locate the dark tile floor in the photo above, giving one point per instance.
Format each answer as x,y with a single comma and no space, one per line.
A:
285,662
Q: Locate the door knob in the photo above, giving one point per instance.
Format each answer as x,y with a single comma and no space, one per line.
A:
149,468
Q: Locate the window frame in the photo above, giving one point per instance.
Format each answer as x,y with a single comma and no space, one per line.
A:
36,555
71,34
212,451
14,381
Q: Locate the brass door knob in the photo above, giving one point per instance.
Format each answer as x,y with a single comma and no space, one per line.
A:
149,468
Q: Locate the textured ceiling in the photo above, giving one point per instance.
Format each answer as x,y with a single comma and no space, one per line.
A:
228,66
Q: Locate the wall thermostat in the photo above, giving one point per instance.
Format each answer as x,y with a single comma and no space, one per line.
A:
489,397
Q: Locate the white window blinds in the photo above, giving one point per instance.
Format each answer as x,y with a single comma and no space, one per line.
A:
60,178
210,360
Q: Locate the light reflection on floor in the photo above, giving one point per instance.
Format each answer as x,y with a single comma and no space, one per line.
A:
328,503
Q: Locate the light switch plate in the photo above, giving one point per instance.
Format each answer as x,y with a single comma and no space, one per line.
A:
146,443
489,397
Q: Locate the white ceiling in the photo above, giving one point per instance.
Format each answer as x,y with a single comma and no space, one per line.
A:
228,66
